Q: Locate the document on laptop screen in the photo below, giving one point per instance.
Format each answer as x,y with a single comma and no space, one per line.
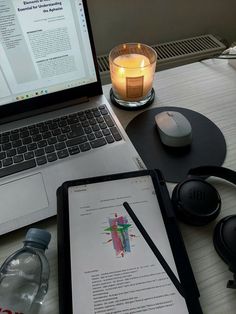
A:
113,270
44,48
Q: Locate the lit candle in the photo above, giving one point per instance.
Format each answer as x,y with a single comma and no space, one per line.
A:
132,76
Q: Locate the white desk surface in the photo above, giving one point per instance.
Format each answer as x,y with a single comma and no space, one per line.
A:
208,87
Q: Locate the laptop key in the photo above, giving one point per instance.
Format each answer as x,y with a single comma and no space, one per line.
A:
52,157
100,119
24,134
85,124
99,142
5,139
14,137
89,115
17,143
56,132
29,155
27,140
42,143
88,130
34,131
32,146
72,120
91,137
76,130
65,129
76,141
52,140
37,137
53,126
61,138
84,147
41,160
103,125
97,114
73,150
30,127
11,152
62,123
109,121
60,146
62,153
92,121
6,133
104,112
21,150
7,162
14,131
115,133
18,158
106,132
17,168
43,128
82,117
50,149
102,107
117,137
110,139
6,146
39,152
95,127
46,135
98,134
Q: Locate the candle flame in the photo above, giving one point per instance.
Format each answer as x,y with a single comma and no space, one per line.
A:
142,64
122,72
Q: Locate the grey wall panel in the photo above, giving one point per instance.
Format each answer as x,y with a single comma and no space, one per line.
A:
156,21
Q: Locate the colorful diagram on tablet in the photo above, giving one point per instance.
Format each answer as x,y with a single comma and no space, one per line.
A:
118,229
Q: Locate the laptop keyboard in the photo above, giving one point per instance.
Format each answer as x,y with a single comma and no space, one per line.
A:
55,139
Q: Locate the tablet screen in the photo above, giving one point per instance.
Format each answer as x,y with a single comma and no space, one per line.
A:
113,270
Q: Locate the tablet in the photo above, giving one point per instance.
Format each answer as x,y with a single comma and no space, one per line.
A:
119,247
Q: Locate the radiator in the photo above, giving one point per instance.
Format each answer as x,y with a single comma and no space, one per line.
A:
174,53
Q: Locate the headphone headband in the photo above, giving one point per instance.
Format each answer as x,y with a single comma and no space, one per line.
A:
216,171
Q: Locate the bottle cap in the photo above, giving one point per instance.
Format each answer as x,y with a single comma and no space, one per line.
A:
38,236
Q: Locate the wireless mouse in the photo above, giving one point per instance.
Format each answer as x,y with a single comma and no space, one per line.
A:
174,129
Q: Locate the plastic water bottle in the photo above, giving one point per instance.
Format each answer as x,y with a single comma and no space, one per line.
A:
24,275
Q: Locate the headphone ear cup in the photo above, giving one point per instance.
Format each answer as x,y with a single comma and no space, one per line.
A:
196,202
224,240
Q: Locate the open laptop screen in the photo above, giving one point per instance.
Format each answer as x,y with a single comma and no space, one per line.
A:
45,48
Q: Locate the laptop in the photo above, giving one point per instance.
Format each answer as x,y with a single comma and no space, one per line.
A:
56,125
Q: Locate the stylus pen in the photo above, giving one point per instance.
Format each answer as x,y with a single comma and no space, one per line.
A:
154,249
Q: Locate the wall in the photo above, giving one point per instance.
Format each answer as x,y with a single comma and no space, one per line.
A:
156,21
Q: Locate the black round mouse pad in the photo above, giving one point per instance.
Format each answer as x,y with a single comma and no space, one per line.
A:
208,145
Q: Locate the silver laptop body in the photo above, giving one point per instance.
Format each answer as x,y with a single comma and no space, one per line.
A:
42,78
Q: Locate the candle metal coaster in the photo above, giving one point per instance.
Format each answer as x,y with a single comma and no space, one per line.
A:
134,105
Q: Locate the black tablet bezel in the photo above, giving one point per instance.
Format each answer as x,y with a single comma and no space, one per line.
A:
176,242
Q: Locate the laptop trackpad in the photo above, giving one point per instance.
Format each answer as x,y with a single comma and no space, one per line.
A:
22,197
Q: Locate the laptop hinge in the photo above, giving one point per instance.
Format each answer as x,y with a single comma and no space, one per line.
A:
35,112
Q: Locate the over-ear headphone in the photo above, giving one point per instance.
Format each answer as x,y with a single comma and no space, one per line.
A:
197,202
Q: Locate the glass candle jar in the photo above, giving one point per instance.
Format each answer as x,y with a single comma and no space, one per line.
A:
132,68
